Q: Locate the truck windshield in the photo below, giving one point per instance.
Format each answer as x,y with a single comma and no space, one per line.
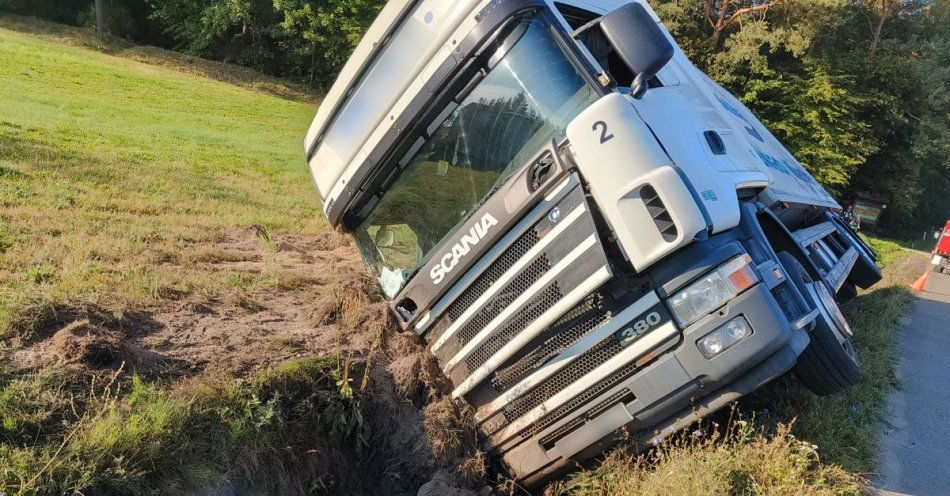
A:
526,100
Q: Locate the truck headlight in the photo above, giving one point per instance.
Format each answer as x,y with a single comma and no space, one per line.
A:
713,290
725,337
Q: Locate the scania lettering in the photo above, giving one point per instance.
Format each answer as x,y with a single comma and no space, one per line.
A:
592,236
460,249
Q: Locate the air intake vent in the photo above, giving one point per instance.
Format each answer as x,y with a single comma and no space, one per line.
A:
659,214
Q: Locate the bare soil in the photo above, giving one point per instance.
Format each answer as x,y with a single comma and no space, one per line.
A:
322,304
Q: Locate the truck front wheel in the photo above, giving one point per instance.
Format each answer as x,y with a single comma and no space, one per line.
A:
829,364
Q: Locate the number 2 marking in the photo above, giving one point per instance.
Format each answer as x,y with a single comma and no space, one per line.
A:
602,126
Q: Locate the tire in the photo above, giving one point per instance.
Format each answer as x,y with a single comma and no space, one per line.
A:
847,293
829,364
865,272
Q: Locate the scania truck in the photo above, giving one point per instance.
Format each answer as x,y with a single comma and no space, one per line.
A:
595,240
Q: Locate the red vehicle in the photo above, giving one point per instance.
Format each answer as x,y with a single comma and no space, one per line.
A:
942,251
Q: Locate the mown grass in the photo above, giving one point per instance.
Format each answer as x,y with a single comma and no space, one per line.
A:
231,74
116,173
788,441
887,251
925,244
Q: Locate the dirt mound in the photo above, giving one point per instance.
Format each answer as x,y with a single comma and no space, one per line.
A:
85,345
91,346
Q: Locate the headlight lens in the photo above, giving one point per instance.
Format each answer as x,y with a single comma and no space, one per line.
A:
725,337
700,298
713,290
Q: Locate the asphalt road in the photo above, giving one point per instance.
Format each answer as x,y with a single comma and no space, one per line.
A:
915,457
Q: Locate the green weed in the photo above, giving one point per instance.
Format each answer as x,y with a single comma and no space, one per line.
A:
148,437
887,251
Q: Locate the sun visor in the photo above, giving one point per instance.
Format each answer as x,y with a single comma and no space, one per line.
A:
366,92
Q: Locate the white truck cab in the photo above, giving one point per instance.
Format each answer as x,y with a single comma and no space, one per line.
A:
591,235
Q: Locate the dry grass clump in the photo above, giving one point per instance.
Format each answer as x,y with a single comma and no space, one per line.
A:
740,460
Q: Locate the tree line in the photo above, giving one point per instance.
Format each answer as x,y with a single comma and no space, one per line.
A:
858,90
303,40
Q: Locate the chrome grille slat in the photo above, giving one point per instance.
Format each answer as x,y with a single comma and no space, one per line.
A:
537,306
570,270
506,296
582,319
579,400
492,274
568,223
589,360
622,396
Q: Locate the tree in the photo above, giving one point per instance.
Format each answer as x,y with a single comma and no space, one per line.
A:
323,35
302,39
102,23
721,14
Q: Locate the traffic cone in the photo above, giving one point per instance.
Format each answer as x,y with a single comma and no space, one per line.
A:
921,282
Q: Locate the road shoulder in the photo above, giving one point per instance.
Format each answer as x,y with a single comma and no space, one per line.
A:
914,444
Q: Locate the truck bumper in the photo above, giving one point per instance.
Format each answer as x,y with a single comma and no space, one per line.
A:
676,388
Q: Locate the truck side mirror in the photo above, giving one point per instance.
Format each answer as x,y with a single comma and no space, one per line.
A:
637,40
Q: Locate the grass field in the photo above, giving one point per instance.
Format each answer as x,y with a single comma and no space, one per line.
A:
177,317
116,173
123,171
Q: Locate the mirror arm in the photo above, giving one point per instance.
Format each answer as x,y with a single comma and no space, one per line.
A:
640,85
579,32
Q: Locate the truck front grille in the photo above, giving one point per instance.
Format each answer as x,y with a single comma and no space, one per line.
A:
494,271
582,398
506,296
530,337
534,280
583,364
531,312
